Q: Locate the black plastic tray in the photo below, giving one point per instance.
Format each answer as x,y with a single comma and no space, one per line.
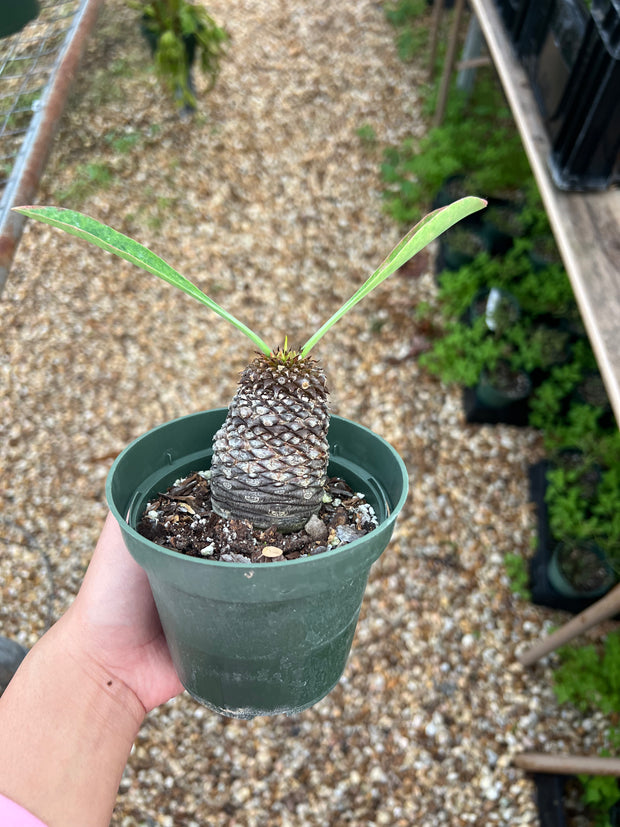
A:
517,413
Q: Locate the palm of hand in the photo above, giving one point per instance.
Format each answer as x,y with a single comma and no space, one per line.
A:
118,625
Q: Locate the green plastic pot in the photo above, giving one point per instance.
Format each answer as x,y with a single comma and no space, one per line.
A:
14,14
596,569
256,639
491,396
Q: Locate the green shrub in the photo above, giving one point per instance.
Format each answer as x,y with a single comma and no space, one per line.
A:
589,678
478,139
516,569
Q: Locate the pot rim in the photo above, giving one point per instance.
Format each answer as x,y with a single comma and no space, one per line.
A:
393,509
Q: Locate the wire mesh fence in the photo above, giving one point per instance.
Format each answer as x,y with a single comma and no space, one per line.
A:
36,68
26,63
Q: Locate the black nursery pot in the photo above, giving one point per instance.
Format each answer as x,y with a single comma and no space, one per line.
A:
585,150
15,14
551,36
513,14
543,590
256,639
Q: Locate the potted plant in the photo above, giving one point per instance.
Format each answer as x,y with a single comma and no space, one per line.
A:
580,455
587,678
502,224
583,502
458,247
179,32
14,16
544,296
580,569
475,149
557,393
260,637
495,364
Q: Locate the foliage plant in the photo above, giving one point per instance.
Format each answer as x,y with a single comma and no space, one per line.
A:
406,17
181,30
555,396
584,510
465,351
270,457
589,678
600,793
470,345
538,293
477,141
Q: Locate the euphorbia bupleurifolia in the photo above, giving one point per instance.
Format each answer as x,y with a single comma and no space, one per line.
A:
270,456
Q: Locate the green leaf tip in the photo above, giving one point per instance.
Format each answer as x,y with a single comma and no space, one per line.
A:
89,229
419,237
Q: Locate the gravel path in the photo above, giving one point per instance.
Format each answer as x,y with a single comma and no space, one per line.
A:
270,201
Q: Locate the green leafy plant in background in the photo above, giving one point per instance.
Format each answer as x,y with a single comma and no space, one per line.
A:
589,678
280,408
466,350
538,293
584,511
580,428
554,397
600,793
411,33
527,342
179,30
477,140
518,575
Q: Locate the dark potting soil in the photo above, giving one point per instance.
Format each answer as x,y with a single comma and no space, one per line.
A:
182,520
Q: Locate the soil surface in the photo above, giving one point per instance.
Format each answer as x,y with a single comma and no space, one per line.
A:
181,519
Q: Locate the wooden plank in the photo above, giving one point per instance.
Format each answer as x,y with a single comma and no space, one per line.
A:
586,225
567,764
603,609
444,86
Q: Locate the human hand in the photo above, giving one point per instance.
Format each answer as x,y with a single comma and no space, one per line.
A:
115,624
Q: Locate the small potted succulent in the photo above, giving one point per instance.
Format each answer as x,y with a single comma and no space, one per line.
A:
266,634
179,32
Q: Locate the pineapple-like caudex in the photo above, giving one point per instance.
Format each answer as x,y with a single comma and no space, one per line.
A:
270,456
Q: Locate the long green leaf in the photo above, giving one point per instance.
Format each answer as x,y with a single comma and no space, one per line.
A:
427,230
89,229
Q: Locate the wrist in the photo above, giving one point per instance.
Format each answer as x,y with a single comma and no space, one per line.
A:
79,721
108,694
